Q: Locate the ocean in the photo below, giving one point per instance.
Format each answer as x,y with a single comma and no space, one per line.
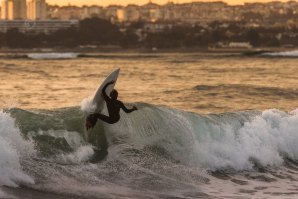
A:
208,125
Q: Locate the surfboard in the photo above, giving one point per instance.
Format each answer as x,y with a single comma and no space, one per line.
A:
96,103
98,100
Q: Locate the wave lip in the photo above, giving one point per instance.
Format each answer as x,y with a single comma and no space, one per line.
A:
293,53
44,56
12,148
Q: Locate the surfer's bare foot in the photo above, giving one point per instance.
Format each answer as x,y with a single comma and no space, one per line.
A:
88,125
91,121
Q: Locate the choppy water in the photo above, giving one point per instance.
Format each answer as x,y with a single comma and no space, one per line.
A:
208,126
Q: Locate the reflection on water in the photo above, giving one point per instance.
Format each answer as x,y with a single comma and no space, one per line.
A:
193,82
156,152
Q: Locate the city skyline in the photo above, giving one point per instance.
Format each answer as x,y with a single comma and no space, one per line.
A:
141,2
23,9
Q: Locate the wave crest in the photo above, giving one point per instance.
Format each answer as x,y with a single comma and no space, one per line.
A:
235,141
12,148
293,53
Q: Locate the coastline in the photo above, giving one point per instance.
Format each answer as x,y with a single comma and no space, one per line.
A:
147,50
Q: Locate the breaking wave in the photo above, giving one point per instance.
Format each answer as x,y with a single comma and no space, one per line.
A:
236,141
53,55
293,53
171,147
12,148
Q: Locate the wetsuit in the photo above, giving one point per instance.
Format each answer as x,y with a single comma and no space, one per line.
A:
113,106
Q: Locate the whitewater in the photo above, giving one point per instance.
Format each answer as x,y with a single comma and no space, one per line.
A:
213,126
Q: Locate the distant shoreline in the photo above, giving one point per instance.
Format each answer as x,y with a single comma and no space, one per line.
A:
147,50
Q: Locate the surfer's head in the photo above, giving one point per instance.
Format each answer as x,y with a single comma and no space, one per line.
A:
91,121
114,94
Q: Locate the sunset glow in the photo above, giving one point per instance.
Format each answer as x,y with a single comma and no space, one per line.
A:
125,2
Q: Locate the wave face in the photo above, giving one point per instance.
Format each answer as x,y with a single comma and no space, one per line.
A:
224,141
169,147
237,141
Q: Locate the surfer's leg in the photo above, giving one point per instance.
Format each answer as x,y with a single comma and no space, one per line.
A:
98,156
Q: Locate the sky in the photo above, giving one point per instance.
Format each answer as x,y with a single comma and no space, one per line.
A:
125,2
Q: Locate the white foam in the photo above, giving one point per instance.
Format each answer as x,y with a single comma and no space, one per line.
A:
88,106
82,150
53,55
267,139
12,147
236,141
82,154
6,196
73,138
293,53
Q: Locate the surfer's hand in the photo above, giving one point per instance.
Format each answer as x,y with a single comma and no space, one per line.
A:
134,108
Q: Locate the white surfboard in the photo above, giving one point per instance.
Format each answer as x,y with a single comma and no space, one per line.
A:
96,103
98,100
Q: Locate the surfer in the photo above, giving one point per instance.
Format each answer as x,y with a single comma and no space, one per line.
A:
113,106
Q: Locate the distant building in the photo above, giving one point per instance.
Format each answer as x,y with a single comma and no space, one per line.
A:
93,11
130,13
19,9
13,9
149,11
155,15
111,12
67,13
38,26
4,9
274,14
37,9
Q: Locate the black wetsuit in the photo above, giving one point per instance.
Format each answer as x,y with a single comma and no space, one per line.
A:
114,107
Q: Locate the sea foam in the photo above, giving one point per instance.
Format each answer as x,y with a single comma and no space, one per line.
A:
293,53
230,141
46,56
266,141
87,105
12,148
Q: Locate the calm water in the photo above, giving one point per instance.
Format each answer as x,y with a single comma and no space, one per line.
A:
192,82
208,126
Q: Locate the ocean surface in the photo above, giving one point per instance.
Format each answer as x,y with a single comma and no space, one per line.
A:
208,126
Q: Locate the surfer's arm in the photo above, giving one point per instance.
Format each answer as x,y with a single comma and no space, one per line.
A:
126,110
104,94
